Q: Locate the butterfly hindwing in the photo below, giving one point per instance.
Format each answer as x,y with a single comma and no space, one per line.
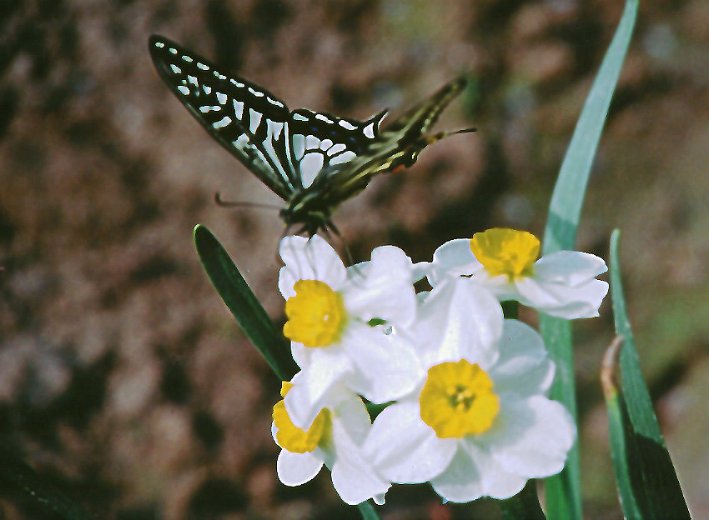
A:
246,119
321,140
422,116
399,143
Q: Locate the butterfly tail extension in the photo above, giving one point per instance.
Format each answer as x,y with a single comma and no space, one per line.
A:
424,115
400,143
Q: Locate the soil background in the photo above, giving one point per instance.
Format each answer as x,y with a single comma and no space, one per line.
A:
123,378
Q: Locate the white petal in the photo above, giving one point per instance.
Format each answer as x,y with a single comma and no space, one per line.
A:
384,289
420,270
352,414
497,482
312,259
459,319
562,301
358,269
531,437
498,285
523,367
472,474
353,475
569,267
295,469
385,366
461,481
300,353
404,449
453,259
313,384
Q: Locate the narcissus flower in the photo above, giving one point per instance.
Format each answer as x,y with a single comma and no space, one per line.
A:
338,324
478,422
505,261
334,439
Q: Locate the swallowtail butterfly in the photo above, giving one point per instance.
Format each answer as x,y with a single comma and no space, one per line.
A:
312,160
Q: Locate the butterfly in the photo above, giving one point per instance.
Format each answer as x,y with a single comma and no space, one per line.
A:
312,160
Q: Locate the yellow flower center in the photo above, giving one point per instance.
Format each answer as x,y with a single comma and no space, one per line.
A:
506,251
316,314
297,440
458,400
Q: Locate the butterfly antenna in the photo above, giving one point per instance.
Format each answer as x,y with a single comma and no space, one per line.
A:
348,252
336,233
238,204
430,139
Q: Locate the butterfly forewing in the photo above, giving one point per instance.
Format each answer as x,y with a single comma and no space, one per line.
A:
286,150
246,119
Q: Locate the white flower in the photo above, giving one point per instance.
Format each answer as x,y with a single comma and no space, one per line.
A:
561,284
479,422
334,439
330,312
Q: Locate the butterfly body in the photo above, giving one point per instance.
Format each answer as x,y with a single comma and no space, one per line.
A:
312,160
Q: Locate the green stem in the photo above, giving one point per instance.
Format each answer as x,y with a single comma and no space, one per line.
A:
368,511
523,505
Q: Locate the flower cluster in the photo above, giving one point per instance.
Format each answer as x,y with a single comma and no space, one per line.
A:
465,389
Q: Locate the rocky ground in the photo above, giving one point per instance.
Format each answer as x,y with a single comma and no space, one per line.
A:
124,379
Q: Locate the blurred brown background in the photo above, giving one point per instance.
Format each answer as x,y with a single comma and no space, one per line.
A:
124,379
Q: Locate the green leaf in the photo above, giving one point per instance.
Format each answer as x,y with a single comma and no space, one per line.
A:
645,477
242,303
568,197
563,491
20,482
367,510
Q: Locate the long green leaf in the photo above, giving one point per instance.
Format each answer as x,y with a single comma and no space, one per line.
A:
21,483
645,477
563,491
568,197
242,303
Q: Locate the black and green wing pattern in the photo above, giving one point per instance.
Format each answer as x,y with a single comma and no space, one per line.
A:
312,160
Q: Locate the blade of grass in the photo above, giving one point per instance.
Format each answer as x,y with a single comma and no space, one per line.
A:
242,303
568,197
563,491
647,483
618,425
640,404
21,483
